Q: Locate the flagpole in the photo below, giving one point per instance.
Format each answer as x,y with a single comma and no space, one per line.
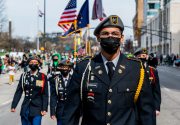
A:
75,43
86,41
89,42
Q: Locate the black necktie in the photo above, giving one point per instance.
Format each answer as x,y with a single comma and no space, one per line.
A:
110,67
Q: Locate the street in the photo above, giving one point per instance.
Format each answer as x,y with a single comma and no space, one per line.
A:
170,108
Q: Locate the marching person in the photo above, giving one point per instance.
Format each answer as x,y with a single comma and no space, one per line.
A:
109,89
59,90
142,54
53,70
35,87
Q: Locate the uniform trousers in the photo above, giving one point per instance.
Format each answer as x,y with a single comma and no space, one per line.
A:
26,120
59,122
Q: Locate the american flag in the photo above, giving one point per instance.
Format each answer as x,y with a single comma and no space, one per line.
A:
68,16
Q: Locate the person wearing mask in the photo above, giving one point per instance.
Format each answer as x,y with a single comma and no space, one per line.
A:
59,90
53,70
109,89
142,54
34,85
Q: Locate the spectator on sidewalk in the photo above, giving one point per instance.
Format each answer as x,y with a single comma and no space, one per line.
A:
1,65
161,59
11,72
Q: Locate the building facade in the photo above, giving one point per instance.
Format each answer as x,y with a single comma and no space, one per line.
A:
161,32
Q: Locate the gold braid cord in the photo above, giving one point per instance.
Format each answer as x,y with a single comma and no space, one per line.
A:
141,80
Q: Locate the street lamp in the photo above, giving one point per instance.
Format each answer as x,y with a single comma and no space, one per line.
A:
44,36
10,34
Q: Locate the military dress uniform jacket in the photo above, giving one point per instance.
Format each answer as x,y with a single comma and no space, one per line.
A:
58,95
154,80
108,102
52,72
36,94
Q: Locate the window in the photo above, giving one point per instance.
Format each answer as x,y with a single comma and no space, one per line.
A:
151,5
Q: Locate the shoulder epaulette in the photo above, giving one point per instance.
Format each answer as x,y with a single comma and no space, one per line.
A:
134,59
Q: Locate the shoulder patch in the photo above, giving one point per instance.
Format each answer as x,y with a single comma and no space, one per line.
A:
152,67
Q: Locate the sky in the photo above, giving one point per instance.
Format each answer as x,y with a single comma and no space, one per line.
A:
26,23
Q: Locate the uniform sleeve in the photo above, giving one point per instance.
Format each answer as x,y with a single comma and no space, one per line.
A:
157,91
145,104
53,97
45,96
18,94
72,106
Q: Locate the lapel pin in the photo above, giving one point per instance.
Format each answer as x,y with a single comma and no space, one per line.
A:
100,72
120,71
127,89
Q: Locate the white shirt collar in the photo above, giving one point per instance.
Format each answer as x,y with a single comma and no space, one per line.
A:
115,60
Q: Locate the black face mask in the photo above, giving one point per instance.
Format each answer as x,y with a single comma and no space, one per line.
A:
143,60
54,60
33,67
110,45
65,72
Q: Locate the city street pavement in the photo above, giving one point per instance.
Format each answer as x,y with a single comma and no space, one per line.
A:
170,90
170,109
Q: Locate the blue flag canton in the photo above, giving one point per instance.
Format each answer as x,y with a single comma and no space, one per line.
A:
71,4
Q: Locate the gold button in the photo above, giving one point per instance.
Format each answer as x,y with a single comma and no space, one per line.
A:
108,124
110,90
109,102
109,113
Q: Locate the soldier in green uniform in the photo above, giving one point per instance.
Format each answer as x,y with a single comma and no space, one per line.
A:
109,89
152,72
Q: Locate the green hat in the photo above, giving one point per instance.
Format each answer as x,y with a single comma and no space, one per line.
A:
140,51
56,54
111,21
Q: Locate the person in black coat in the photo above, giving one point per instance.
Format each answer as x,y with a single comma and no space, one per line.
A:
109,89
53,69
152,72
35,87
59,90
